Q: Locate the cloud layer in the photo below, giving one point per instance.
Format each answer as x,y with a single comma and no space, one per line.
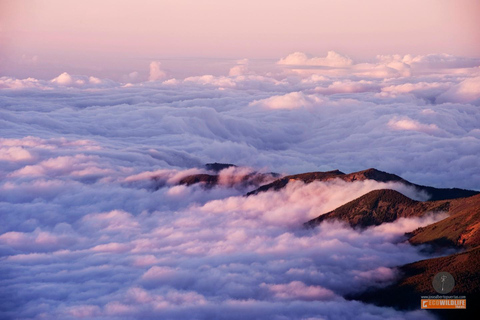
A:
235,255
96,226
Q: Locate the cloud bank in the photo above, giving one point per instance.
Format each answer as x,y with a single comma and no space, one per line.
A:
244,256
96,226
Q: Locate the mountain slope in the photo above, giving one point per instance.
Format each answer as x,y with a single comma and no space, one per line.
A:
369,174
416,281
377,207
460,229
305,177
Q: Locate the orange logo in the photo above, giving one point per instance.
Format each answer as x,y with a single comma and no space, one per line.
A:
444,304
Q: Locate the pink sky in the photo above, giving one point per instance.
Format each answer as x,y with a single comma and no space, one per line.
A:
103,38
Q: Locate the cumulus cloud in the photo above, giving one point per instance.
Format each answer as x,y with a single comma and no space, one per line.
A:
408,124
349,87
440,61
240,69
386,66
78,165
291,100
333,59
131,77
11,83
220,82
298,290
14,154
63,79
156,73
421,89
467,91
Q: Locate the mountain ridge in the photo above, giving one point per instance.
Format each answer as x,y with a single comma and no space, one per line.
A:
377,207
368,174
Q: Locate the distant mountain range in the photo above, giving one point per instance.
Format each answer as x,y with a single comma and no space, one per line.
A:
459,231
369,174
211,179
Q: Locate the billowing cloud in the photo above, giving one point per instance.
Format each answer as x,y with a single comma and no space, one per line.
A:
11,83
14,154
291,100
96,225
440,61
218,256
412,125
156,73
467,91
63,79
240,69
333,59
298,290
386,66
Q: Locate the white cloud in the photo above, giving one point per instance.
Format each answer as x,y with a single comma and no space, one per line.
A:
349,87
332,59
11,83
14,154
291,100
408,124
298,290
63,79
414,87
240,69
224,82
156,73
386,66
467,91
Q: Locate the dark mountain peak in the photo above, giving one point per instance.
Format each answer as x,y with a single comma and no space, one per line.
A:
208,179
305,177
213,179
317,175
337,172
217,167
369,174
387,195
373,174
375,208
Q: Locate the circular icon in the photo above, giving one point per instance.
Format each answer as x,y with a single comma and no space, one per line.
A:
443,282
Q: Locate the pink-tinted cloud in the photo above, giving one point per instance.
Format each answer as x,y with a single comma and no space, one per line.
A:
156,73
297,290
467,91
291,100
95,226
407,124
333,59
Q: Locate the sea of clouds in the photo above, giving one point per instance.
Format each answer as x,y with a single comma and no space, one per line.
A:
95,225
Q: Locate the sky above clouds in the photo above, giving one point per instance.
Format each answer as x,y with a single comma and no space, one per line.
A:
110,38
106,105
